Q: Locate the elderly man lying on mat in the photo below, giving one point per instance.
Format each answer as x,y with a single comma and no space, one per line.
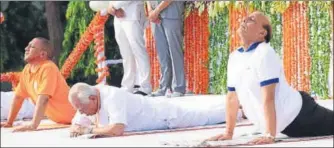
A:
114,111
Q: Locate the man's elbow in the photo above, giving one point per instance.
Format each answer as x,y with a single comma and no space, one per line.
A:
119,133
117,130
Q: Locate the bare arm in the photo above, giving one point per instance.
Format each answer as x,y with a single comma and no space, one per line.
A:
149,7
232,106
39,110
268,94
40,107
14,110
110,130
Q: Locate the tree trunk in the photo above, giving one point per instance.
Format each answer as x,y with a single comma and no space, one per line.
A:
55,28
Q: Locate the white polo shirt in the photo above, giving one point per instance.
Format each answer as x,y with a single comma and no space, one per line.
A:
260,66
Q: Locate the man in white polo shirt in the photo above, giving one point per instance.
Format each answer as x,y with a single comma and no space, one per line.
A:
116,111
256,78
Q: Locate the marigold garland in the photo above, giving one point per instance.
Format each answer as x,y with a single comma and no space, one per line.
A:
154,63
82,45
12,77
296,58
196,49
2,18
235,19
103,71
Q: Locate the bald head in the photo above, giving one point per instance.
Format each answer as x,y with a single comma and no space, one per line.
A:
38,49
255,27
84,98
46,46
264,20
80,92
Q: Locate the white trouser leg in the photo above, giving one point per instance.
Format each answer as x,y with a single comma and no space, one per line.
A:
134,31
199,111
129,64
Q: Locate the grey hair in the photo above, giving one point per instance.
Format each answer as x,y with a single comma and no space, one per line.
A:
82,91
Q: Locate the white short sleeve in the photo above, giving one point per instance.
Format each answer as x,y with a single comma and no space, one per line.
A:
231,75
269,67
117,108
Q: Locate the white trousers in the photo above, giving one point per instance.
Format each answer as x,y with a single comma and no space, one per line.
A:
130,39
199,111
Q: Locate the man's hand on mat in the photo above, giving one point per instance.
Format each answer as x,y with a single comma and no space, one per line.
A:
77,130
262,140
6,125
24,128
220,137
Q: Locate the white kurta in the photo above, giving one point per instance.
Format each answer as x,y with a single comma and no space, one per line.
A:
140,113
129,33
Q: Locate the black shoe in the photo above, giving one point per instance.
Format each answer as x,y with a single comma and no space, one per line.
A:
140,93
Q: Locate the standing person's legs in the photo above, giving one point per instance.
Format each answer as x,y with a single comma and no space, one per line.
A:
134,32
129,64
312,120
173,30
163,57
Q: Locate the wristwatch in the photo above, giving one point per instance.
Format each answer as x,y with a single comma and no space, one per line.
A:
89,130
268,135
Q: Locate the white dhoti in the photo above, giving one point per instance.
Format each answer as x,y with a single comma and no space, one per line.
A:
26,111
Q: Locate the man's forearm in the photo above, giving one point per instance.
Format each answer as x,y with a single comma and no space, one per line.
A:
40,109
163,5
111,130
268,94
149,7
15,108
270,116
232,106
